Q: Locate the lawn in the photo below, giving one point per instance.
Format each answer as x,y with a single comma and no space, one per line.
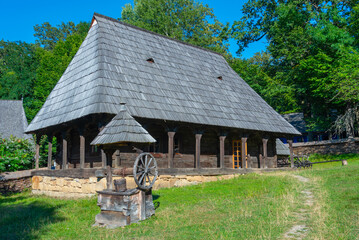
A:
253,206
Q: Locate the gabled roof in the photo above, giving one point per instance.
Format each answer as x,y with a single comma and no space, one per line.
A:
182,84
123,128
297,121
12,119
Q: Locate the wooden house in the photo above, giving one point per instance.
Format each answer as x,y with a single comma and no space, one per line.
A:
198,109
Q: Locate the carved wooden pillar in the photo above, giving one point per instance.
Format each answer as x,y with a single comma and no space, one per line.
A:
265,153
82,148
170,148
290,143
37,151
221,151
108,157
103,159
243,152
64,151
117,159
49,152
198,150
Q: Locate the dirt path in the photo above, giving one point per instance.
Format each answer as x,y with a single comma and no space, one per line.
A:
299,230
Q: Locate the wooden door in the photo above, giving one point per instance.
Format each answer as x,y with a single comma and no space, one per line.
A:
237,153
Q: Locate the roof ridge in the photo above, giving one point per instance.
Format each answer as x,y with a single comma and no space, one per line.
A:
154,33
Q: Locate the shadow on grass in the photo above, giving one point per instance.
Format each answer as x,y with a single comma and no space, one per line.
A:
155,198
25,219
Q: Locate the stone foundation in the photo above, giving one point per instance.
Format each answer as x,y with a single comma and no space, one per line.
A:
76,187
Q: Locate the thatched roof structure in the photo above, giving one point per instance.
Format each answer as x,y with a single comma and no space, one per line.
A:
158,78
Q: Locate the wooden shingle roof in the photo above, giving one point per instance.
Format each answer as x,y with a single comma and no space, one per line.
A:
180,84
12,119
123,128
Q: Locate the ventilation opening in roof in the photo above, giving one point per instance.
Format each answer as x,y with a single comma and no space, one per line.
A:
220,78
150,60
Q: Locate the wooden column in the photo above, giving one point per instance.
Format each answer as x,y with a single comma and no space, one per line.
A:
221,151
37,152
82,151
49,152
170,148
243,152
198,150
290,143
265,153
103,158
117,159
64,151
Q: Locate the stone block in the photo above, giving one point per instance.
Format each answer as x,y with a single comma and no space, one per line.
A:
165,176
181,176
210,178
35,181
195,178
183,182
161,184
101,185
60,182
88,188
93,180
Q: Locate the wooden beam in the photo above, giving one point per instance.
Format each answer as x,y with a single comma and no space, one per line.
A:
170,148
117,159
82,151
243,152
103,159
49,152
64,151
290,143
221,151
265,152
37,152
198,150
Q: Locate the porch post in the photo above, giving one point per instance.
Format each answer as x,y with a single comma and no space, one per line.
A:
290,143
221,151
37,151
82,148
117,158
265,152
198,150
103,159
64,151
243,152
49,152
170,149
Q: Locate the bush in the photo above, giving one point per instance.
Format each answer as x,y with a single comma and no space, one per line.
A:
16,154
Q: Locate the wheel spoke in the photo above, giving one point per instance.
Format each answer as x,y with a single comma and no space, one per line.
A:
142,161
149,163
145,160
149,180
138,173
141,179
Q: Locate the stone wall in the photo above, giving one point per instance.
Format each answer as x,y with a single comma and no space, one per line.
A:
15,185
78,187
340,146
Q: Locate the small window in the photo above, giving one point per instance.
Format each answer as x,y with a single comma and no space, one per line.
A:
150,60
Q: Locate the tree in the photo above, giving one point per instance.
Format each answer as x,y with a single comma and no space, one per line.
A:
18,64
308,41
184,20
47,35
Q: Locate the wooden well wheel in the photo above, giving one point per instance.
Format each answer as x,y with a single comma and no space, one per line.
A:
145,171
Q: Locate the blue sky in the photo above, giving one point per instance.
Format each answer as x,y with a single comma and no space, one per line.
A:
19,17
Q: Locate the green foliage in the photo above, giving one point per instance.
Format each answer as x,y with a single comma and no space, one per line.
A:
313,46
259,73
16,154
48,36
185,20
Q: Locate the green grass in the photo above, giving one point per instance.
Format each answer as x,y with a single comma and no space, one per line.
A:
336,189
253,206
248,207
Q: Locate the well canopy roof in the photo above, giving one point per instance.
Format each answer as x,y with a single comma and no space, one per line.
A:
123,128
183,83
